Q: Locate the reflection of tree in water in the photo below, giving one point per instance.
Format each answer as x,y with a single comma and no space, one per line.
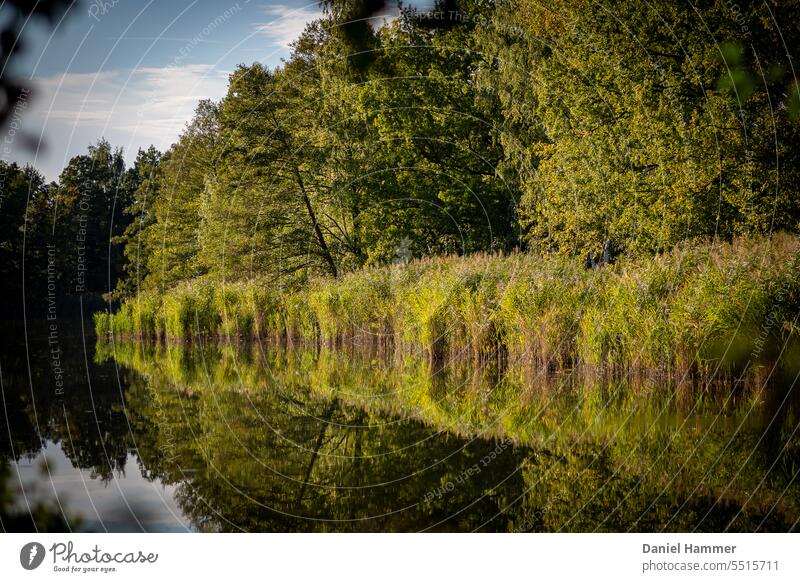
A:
325,441
41,517
88,423
781,416
87,419
282,459
311,441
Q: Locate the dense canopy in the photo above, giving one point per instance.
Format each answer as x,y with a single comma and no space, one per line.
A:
565,128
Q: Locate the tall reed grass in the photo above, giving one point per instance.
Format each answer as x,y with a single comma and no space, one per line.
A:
702,305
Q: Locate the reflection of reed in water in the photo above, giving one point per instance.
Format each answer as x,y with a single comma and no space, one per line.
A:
352,440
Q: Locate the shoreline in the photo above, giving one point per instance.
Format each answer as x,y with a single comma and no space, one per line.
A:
688,311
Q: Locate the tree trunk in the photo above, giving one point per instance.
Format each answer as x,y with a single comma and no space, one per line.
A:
326,253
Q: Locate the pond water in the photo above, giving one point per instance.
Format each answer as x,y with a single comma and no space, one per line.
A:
268,438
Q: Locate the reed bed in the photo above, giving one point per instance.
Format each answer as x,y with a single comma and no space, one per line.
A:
701,306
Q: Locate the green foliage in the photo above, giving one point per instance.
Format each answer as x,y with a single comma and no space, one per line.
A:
25,201
137,247
652,127
293,206
565,129
693,307
93,191
174,237
60,235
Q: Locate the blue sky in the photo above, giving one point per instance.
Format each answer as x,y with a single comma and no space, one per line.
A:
132,71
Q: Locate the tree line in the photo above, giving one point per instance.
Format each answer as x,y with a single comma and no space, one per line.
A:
478,126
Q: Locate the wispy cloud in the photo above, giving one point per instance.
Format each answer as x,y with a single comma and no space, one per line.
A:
287,23
132,108
173,93
152,101
163,39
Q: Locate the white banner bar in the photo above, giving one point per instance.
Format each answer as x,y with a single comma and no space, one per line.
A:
402,557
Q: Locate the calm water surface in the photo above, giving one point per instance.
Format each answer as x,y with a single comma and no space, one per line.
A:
250,438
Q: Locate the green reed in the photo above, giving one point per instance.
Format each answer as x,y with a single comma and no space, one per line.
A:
702,306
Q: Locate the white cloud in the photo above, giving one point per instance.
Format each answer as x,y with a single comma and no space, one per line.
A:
172,94
287,23
132,109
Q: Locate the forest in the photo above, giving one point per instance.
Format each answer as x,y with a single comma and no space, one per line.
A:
586,141
561,236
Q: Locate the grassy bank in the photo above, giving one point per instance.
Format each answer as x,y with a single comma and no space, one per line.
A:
696,306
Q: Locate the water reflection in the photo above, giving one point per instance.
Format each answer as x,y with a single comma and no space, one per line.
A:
120,503
252,439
